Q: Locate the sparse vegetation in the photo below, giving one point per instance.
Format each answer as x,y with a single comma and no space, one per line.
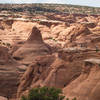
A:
48,8
45,93
72,99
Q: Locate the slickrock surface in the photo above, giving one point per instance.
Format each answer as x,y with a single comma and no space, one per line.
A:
87,85
3,98
17,31
58,68
48,71
63,52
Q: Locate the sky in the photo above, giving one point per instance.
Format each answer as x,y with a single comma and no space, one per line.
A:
95,3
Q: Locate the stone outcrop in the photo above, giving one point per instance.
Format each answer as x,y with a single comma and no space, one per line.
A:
58,67
4,56
67,57
3,98
33,47
9,73
87,85
49,71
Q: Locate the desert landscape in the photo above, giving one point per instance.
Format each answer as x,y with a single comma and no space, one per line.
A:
43,46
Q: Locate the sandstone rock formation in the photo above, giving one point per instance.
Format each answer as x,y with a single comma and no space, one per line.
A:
4,56
9,73
33,47
87,85
56,69
66,36
83,20
12,31
3,98
75,34
71,62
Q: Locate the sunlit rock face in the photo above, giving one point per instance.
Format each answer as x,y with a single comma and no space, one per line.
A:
62,52
33,47
86,86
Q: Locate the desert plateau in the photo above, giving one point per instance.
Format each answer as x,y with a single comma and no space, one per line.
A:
49,45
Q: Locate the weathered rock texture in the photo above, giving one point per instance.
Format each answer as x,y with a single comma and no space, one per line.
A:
3,98
74,64
49,71
33,47
69,70
10,72
87,85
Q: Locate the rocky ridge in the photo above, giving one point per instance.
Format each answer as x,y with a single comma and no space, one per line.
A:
62,55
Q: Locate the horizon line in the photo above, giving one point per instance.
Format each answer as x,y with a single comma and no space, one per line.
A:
54,3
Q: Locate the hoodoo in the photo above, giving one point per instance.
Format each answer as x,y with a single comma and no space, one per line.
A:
33,47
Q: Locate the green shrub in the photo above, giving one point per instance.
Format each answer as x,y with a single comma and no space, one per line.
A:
74,99
97,49
45,93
